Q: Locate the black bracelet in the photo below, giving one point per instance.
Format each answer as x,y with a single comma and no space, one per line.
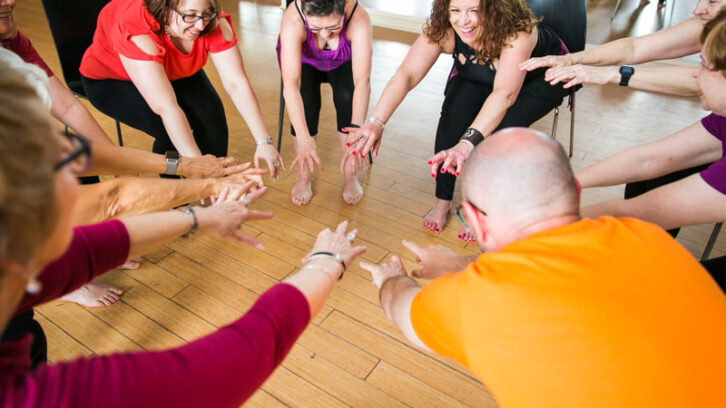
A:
332,255
351,126
472,136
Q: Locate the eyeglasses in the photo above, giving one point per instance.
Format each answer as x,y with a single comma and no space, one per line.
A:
328,29
77,154
193,18
460,210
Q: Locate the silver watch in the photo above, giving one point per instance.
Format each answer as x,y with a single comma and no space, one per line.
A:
172,162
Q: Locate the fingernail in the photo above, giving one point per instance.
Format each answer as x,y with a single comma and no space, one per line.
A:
443,170
347,144
429,162
362,157
457,173
433,175
354,152
458,236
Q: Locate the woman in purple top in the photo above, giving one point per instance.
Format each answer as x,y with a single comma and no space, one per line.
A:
324,41
699,198
42,257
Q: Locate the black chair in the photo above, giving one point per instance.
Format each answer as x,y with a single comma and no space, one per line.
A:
711,241
567,18
281,111
72,24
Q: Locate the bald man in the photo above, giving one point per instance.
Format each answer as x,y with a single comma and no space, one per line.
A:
558,310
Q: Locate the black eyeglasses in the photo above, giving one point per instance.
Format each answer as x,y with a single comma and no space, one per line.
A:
459,215
76,154
193,18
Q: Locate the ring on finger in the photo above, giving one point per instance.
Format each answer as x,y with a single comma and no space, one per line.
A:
276,164
350,236
362,137
246,200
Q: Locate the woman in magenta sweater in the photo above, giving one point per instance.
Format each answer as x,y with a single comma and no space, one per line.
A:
42,257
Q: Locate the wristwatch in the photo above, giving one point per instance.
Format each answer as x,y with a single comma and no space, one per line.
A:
625,73
172,162
472,136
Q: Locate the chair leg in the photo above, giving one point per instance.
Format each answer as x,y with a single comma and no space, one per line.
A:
280,117
572,125
615,10
370,158
118,134
555,120
711,241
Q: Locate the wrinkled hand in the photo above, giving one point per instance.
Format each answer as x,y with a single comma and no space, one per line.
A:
580,74
451,160
383,272
306,154
207,166
337,242
229,211
436,260
271,157
360,141
546,61
246,175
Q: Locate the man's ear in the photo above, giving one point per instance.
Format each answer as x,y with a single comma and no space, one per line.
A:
477,222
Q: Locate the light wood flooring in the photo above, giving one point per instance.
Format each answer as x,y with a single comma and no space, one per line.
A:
351,355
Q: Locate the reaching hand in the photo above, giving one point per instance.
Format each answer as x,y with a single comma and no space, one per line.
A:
306,154
451,160
271,157
239,179
383,272
362,140
207,166
581,74
229,211
338,242
437,260
546,61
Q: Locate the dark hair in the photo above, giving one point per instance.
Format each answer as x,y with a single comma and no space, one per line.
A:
715,48
499,21
322,8
161,11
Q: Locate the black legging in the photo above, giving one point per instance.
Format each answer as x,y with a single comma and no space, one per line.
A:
195,95
25,324
341,81
463,101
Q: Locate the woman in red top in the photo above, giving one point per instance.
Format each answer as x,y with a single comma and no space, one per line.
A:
144,68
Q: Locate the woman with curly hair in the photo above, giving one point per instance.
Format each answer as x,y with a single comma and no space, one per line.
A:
486,90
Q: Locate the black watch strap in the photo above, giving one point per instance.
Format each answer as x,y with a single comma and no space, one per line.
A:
625,73
473,136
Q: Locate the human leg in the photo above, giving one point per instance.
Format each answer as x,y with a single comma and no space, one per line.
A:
462,102
310,80
341,81
204,110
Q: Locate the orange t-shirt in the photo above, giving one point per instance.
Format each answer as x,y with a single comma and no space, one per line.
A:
599,313
122,19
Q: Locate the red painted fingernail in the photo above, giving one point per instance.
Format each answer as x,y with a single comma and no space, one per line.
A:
443,170
458,236
354,153
362,157
433,175
347,144
429,161
437,230
457,173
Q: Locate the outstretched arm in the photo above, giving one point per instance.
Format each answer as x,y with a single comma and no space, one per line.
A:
69,110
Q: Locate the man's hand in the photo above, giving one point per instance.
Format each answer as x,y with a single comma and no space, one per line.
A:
271,157
437,260
307,154
383,272
451,160
229,211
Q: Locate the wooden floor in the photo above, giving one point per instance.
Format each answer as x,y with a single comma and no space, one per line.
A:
351,355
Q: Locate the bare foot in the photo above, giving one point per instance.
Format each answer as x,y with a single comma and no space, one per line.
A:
131,265
435,219
661,4
643,3
352,190
466,235
302,191
94,294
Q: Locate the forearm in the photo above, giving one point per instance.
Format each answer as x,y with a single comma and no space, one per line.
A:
361,97
668,80
396,296
631,165
616,52
393,94
316,280
246,102
493,111
296,109
179,131
128,196
111,160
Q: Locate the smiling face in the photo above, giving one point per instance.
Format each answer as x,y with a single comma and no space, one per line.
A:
327,27
7,21
186,31
464,18
707,9
713,86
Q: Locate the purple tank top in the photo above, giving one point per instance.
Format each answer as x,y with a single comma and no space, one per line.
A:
324,60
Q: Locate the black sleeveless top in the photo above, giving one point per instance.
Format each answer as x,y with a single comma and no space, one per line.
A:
548,43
